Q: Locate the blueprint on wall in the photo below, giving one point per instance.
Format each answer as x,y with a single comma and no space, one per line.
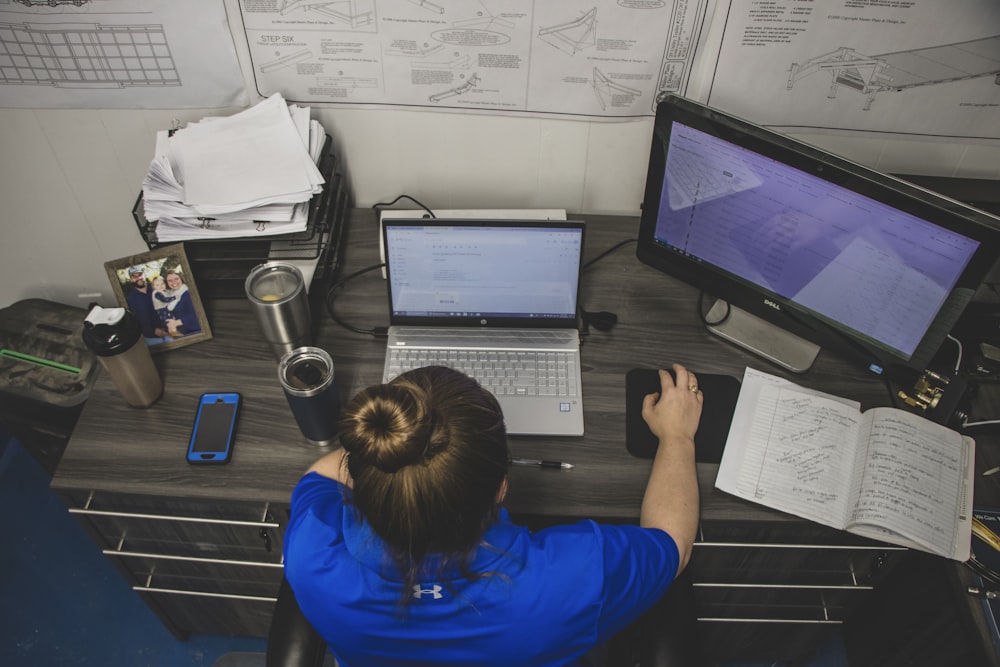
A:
911,67
922,68
592,58
146,54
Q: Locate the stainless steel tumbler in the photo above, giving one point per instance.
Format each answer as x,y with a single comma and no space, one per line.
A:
306,375
277,295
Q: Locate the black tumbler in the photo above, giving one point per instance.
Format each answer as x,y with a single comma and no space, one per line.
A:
306,375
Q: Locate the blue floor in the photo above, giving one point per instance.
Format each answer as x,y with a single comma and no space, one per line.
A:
62,602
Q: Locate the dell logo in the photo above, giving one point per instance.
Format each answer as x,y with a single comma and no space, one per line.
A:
482,322
772,304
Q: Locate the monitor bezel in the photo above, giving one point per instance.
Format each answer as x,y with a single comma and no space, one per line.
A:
895,192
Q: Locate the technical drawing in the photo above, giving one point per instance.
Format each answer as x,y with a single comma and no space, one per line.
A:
457,90
355,13
642,4
607,90
572,36
903,70
86,55
429,6
285,61
478,32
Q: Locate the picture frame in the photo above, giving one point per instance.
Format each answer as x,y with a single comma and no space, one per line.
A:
169,307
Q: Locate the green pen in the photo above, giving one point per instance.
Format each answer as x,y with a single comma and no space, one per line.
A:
21,356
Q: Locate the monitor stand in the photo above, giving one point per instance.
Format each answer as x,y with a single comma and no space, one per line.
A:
762,338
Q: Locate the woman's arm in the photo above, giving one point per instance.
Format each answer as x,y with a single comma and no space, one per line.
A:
334,466
671,499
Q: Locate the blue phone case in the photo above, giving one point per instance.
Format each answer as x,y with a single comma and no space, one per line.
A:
214,428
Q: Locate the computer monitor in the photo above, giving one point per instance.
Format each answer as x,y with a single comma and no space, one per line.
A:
804,249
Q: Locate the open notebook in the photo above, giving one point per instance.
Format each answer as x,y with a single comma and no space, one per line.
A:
498,300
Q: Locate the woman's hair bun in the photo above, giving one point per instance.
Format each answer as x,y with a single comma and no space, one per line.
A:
388,427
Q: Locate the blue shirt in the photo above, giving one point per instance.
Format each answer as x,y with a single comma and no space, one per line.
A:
551,595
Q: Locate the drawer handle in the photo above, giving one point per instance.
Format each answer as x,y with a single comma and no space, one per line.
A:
230,596
163,517
711,619
774,545
190,559
833,587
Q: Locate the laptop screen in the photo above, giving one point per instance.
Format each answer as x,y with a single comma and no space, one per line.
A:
483,273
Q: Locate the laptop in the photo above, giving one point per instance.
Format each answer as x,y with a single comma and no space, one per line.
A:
496,299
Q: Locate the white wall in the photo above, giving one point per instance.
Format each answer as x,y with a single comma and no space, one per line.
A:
69,178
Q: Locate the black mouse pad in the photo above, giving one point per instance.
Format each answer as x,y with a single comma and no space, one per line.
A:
721,392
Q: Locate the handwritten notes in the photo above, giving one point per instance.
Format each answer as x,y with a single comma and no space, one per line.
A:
886,473
799,452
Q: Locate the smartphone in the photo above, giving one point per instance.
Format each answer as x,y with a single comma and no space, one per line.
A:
214,428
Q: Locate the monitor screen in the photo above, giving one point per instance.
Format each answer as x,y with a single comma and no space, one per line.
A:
833,252
511,273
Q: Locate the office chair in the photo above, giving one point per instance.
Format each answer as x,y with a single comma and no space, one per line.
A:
665,636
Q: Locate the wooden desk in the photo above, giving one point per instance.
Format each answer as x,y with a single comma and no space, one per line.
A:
125,475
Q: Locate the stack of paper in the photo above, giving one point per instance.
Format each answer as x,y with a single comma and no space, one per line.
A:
249,174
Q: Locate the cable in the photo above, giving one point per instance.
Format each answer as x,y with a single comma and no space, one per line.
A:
331,294
600,320
607,252
958,361
378,205
985,422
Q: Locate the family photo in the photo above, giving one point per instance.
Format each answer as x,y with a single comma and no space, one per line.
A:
158,288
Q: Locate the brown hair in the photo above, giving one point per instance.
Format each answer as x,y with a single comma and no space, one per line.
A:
427,454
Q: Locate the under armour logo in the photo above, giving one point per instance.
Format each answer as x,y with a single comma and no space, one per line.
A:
434,591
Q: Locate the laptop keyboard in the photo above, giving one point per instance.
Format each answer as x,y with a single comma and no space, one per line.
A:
503,373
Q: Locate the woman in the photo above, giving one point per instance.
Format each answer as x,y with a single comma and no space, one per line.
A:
181,318
399,552
162,298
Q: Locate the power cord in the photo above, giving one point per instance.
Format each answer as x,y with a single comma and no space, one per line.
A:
600,320
380,205
331,294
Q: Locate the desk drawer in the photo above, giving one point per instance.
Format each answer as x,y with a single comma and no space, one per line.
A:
207,577
224,532
808,565
773,592
791,604
203,566
214,615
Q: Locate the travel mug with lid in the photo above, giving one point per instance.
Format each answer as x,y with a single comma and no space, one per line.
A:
115,336
277,295
306,375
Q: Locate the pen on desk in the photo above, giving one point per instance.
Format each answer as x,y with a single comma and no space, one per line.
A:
518,461
21,356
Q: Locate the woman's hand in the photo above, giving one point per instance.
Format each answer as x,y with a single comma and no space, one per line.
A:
675,410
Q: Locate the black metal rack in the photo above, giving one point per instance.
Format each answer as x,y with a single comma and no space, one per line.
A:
220,266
